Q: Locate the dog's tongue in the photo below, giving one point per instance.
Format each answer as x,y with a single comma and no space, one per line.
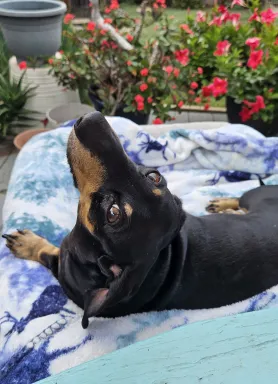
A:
96,135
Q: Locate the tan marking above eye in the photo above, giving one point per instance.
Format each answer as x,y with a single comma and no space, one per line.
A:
89,174
128,209
157,192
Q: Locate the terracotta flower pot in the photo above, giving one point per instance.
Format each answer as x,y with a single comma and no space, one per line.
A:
21,139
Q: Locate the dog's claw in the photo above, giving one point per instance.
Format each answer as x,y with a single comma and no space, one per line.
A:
20,231
9,237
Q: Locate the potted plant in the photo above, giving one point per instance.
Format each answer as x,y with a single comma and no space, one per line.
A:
126,75
236,60
32,27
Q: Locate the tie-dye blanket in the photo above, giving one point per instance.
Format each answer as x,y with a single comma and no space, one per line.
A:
41,331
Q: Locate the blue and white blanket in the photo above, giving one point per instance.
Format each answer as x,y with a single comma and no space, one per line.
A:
41,331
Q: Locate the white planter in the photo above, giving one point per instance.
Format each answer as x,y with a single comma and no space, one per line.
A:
66,112
48,94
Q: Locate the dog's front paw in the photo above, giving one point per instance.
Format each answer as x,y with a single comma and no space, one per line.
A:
25,244
220,205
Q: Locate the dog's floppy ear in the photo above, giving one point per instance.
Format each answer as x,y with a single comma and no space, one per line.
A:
93,300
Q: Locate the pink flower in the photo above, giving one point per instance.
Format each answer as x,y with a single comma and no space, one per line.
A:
198,100
144,72
157,121
194,85
234,17
108,21
255,59
140,106
186,28
139,98
169,69
22,65
268,16
200,70
216,21
149,100
129,37
219,87
182,56
91,26
180,104
222,48
206,107
176,72
68,18
241,3
50,61
255,16
143,87
201,17
276,41
129,63
253,42
191,92
207,90
256,106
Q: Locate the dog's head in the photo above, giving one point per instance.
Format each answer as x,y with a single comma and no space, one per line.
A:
126,208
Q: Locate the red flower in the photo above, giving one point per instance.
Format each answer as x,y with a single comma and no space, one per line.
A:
245,114
219,87
140,106
198,100
114,4
255,59
149,100
222,9
144,72
186,28
176,72
169,69
180,104
129,63
238,2
191,92
234,17
108,21
253,42
129,37
162,3
200,70
206,107
139,99
50,61
268,16
107,10
276,41
157,121
143,87
22,65
68,18
194,85
91,26
207,90
222,48
103,32
201,17
182,56
255,16
256,106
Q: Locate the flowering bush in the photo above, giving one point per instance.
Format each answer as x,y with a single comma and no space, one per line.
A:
227,57
141,79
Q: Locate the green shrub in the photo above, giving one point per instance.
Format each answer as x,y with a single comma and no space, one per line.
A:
184,4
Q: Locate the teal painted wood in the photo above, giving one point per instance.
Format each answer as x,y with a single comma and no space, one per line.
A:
239,349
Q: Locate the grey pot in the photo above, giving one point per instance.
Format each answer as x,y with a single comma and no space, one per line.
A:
32,27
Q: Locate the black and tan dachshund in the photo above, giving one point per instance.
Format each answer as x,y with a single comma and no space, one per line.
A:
134,249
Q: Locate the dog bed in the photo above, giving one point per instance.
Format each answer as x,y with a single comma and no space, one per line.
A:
41,331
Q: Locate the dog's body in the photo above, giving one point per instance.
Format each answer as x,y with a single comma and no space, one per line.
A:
134,249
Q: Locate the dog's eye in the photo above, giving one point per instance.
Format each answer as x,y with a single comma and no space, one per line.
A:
113,214
155,177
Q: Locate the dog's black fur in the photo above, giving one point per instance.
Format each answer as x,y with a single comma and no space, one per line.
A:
164,258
